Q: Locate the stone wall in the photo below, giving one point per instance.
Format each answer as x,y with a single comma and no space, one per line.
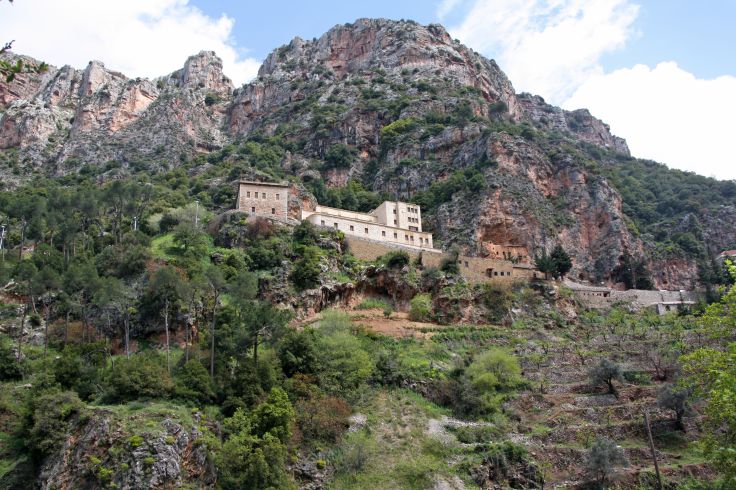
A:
475,270
263,199
662,301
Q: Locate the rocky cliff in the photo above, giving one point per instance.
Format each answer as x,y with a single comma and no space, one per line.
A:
409,111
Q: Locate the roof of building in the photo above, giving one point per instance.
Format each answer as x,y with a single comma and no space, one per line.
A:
268,184
729,252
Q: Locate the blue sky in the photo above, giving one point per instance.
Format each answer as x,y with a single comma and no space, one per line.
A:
661,73
700,39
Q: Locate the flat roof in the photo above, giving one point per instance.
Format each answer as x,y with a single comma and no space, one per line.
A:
268,184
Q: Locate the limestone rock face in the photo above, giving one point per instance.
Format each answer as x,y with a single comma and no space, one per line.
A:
67,117
414,107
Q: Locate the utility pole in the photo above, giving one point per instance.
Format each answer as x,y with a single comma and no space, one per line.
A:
196,215
135,223
651,448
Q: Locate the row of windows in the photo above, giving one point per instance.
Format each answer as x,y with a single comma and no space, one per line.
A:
253,210
407,238
263,195
413,210
413,220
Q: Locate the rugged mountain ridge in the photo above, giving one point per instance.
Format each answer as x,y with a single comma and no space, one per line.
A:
409,107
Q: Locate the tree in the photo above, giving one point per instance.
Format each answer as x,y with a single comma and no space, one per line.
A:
24,274
116,302
166,288
254,453
603,460
216,282
545,264
557,264
711,374
606,372
677,399
46,284
306,271
561,260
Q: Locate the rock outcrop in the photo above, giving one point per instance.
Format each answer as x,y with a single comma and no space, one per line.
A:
416,107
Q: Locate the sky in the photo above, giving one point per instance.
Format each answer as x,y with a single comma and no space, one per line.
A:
662,73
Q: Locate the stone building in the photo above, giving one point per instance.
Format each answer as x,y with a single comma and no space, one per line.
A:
263,198
392,222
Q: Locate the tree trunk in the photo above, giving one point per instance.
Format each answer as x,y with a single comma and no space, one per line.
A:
126,325
255,349
66,327
46,329
22,242
212,338
166,326
20,335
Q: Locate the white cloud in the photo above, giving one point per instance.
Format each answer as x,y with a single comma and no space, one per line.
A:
446,6
547,47
668,115
146,38
553,48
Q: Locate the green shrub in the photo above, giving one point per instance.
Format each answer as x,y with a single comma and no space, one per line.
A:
372,304
194,383
135,441
396,259
142,376
51,421
420,307
307,270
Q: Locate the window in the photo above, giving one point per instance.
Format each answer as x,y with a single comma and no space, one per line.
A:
247,194
263,195
406,238
396,235
383,233
273,210
335,225
466,263
394,221
366,230
351,227
277,197
412,238
323,223
495,273
253,209
394,210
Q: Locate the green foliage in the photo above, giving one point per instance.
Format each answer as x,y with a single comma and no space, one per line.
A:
391,133
51,421
658,199
9,366
142,376
297,353
606,372
711,374
307,270
372,304
305,233
340,156
603,459
254,454
498,299
343,362
395,259
470,181
420,307
557,264
193,383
